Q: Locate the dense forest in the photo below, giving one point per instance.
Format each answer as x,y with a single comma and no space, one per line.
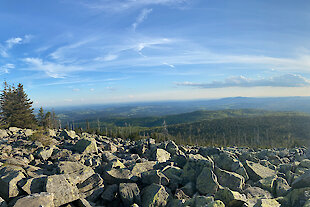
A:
248,127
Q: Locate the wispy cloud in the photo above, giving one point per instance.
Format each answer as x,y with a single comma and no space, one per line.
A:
6,68
121,5
142,16
287,80
10,43
51,69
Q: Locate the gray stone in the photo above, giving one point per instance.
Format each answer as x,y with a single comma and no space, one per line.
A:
281,187
68,134
129,193
230,198
36,200
154,176
3,133
44,153
90,183
139,168
110,192
76,172
257,171
154,195
3,203
118,176
160,155
216,203
86,146
64,192
194,166
305,163
9,177
228,179
207,182
302,181
33,185
267,203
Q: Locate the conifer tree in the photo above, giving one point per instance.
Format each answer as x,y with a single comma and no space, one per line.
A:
16,107
41,117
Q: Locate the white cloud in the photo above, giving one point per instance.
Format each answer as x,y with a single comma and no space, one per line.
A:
142,16
10,43
170,65
287,80
13,41
51,69
108,57
6,68
76,89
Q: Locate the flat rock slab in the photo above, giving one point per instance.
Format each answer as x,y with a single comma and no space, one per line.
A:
302,181
257,171
36,200
64,192
9,177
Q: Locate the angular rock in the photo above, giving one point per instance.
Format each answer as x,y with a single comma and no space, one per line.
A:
64,192
302,181
68,134
216,203
267,203
154,176
160,155
129,193
230,198
110,192
3,133
90,183
194,166
86,146
305,163
9,177
33,185
3,203
228,179
207,182
257,171
36,200
118,176
281,187
44,153
139,168
298,197
154,195
76,172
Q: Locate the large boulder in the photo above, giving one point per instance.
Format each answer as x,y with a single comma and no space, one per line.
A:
302,181
44,153
154,195
36,200
86,145
118,175
194,166
75,171
3,133
298,197
160,155
64,192
129,193
9,177
154,176
68,134
207,182
267,203
231,180
257,171
230,198
139,168
281,187
90,184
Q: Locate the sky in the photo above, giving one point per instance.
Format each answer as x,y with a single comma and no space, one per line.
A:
78,52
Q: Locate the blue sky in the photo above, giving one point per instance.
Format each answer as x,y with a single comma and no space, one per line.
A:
75,52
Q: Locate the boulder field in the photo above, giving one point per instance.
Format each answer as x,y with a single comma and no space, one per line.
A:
87,170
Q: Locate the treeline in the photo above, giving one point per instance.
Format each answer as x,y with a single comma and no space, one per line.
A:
16,110
269,130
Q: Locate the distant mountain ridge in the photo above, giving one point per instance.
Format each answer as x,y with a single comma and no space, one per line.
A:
162,108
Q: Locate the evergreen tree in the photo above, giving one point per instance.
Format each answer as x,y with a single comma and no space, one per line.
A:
41,116
48,120
16,107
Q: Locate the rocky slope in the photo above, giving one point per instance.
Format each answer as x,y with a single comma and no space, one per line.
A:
90,170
